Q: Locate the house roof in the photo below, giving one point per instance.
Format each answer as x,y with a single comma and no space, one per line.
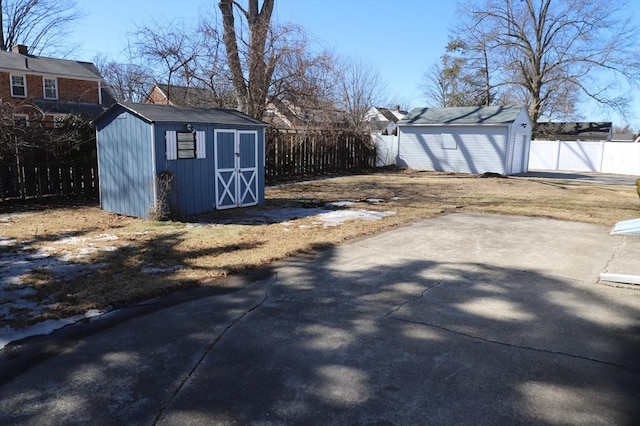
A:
491,115
19,63
186,96
155,113
283,114
573,130
386,112
84,109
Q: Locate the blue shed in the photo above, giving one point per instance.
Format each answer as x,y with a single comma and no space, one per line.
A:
211,158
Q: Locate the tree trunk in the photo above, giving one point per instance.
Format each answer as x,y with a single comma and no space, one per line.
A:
252,93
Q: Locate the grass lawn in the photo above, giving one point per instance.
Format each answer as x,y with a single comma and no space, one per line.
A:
120,260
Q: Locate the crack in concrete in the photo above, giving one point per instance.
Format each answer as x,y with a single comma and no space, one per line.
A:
614,254
606,269
210,347
414,299
512,345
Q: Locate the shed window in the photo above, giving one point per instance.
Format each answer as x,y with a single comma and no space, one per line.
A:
18,86
186,145
50,88
448,141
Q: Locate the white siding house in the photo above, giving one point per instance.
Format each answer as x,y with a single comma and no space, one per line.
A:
466,139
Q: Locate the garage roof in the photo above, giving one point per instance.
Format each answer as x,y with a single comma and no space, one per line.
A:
461,115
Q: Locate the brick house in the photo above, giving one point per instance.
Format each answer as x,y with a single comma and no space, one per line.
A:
36,90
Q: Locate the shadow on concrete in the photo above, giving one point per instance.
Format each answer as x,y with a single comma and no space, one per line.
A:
356,341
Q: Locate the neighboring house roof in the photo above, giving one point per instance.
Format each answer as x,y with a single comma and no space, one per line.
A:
573,131
283,114
155,113
84,109
184,96
20,63
382,114
491,115
623,137
388,114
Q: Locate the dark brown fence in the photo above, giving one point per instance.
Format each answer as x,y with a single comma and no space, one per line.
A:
291,155
25,181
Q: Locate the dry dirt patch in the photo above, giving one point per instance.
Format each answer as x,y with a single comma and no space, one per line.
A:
68,260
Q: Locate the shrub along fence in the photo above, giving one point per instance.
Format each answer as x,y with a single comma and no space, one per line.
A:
291,155
50,160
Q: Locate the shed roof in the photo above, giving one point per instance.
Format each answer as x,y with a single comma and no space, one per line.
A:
155,113
493,115
17,62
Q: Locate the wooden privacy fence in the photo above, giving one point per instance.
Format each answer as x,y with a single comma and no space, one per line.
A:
37,180
289,155
298,154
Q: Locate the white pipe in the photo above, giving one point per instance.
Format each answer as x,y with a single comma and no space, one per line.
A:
620,278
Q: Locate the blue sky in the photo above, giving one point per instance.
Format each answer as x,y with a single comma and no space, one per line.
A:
400,38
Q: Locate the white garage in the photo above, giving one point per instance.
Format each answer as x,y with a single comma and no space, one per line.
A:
466,139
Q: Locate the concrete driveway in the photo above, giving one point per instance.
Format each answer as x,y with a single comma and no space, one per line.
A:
461,319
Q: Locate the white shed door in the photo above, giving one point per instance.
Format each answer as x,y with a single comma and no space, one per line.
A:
247,168
236,160
518,153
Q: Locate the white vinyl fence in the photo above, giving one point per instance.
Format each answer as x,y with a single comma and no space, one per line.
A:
603,157
386,149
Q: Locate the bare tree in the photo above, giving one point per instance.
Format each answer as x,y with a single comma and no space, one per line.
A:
42,25
551,53
361,88
251,68
209,68
303,77
169,49
126,81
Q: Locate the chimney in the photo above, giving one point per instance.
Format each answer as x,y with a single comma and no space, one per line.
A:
19,48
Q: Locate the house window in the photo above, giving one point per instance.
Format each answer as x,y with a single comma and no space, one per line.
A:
18,86
186,144
448,141
20,120
50,88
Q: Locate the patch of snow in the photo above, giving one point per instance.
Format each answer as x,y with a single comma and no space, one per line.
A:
106,237
153,270
339,217
8,216
280,215
92,313
70,240
8,334
5,242
374,200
